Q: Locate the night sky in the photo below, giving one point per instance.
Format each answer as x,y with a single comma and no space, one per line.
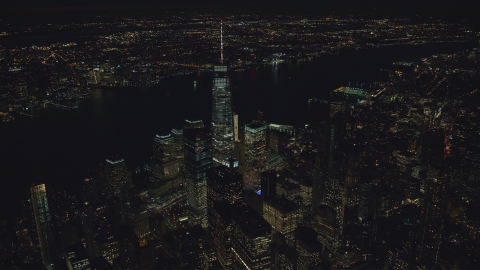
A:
454,9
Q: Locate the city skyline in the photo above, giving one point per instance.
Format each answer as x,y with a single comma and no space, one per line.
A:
254,141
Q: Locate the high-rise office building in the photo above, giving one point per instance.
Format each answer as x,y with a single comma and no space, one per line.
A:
198,159
119,181
167,163
273,141
308,248
282,214
224,184
274,161
90,240
167,156
42,221
76,258
252,237
325,225
269,184
231,163
139,221
220,223
283,256
363,192
117,175
255,153
224,190
110,250
189,124
194,253
328,178
222,117
178,152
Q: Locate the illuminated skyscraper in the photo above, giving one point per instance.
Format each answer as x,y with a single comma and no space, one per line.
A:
222,117
198,159
282,214
178,151
42,220
255,153
167,157
167,163
110,249
189,124
251,239
117,175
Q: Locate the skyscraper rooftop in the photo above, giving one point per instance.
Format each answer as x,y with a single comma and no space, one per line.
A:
255,127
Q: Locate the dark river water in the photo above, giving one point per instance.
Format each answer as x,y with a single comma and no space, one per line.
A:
58,146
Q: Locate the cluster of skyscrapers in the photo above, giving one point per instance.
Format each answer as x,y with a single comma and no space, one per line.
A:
223,198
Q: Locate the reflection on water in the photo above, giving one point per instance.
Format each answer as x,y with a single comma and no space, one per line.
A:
97,101
96,95
275,79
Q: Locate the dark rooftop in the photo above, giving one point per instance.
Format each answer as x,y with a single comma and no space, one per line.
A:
250,221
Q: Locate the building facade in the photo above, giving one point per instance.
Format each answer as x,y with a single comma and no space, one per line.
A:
198,159
252,238
42,220
167,157
282,214
255,153
222,117
224,190
117,175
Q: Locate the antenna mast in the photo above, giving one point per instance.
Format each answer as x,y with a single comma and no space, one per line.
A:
221,41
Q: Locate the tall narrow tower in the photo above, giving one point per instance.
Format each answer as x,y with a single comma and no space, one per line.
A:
42,220
255,153
221,42
222,117
198,160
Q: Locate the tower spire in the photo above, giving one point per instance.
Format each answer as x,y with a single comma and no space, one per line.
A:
221,41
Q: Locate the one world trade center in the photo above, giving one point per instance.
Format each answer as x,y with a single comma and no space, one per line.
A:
222,117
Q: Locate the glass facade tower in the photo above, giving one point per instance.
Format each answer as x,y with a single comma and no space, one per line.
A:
198,159
222,117
42,221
